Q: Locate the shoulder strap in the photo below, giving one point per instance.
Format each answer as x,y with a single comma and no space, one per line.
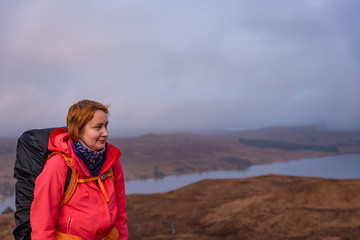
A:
71,182
74,179
111,170
102,177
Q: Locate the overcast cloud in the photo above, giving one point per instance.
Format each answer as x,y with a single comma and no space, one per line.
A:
181,65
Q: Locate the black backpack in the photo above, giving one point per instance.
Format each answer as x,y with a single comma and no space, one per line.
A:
31,153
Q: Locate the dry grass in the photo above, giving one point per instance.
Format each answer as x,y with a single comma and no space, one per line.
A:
268,207
7,224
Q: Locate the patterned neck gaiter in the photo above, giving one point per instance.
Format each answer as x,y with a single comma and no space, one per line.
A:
92,159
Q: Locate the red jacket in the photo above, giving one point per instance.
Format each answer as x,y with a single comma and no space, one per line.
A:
87,214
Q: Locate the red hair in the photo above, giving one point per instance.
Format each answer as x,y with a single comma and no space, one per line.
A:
80,114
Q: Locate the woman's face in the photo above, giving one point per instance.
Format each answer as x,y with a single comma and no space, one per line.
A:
95,132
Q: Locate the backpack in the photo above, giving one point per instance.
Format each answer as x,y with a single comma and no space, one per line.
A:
31,155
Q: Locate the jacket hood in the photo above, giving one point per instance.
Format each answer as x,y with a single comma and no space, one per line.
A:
60,141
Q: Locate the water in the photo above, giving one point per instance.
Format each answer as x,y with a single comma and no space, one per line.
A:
338,167
8,202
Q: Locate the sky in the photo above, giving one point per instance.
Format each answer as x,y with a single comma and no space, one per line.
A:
189,65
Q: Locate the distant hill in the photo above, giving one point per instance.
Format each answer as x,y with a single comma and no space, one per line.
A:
159,155
268,207
154,155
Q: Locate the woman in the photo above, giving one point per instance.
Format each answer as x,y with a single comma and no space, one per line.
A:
97,209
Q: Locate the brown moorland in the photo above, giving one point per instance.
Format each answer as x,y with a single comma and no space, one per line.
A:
266,207
269,207
158,155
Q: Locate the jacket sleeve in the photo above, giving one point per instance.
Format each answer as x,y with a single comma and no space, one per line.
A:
49,190
121,222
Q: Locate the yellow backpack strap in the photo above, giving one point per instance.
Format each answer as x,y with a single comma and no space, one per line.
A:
73,179
111,170
113,235
99,179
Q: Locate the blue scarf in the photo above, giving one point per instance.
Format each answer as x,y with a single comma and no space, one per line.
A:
93,160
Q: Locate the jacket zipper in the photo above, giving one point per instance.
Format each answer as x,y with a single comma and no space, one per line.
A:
69,225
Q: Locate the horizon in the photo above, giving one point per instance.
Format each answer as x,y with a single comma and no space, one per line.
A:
135,134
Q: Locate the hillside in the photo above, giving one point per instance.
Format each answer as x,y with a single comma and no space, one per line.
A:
262,208
158,155
170,154
268,207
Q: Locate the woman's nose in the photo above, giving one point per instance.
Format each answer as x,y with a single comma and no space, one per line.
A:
105,132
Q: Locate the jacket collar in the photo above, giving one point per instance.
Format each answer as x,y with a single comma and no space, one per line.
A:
60,141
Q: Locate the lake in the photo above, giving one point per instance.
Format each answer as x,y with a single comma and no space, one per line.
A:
337,167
